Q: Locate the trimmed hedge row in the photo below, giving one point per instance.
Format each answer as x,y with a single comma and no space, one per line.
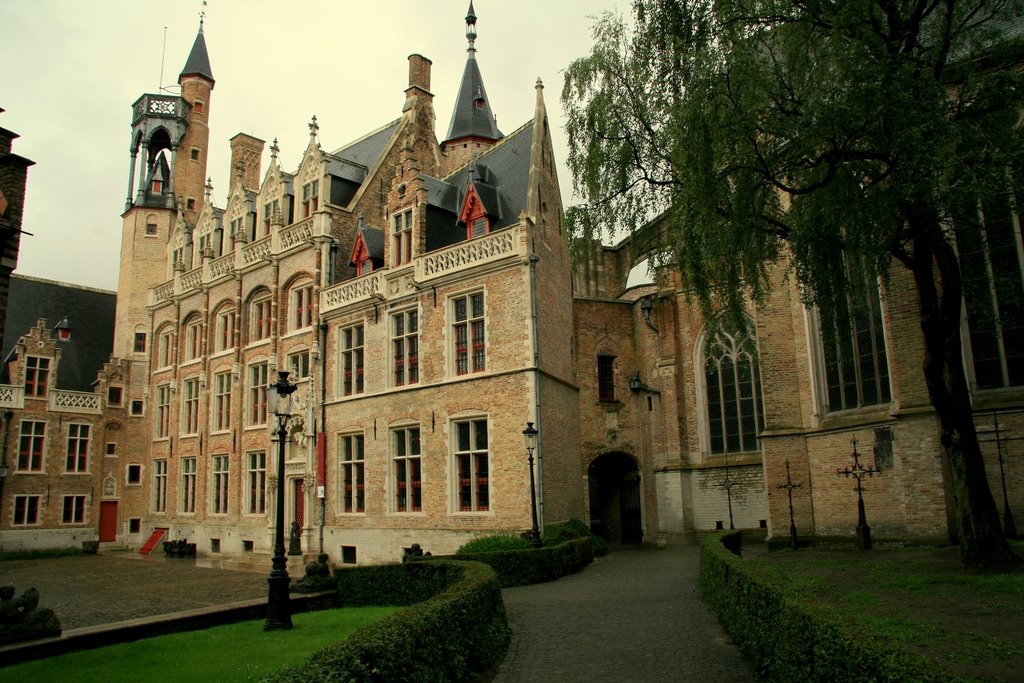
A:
454,630
793,640
533,565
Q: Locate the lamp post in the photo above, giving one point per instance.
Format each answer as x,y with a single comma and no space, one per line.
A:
530,435
279,609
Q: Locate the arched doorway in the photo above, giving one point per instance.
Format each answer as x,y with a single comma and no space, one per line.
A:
615,512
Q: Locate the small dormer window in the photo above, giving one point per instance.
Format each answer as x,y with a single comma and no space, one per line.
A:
158,186
310,198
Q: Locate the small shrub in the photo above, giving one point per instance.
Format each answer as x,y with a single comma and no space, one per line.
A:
556,534
493,544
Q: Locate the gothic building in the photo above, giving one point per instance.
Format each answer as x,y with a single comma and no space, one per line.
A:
396,278
420,294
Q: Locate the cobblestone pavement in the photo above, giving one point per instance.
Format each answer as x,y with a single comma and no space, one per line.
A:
634,615
86,590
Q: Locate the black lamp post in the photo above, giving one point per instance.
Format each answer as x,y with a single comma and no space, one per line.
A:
279,609
530,434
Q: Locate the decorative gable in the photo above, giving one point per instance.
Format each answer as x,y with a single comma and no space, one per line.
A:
474,214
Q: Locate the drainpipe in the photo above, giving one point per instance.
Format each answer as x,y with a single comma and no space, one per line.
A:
321,446
6,416
536,391
646,304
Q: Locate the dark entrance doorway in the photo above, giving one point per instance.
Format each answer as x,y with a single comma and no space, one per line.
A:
300,503
615,512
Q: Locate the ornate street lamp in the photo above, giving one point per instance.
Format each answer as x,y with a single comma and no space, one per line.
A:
530,435
279,609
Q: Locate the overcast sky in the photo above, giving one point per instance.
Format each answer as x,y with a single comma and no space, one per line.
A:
73,68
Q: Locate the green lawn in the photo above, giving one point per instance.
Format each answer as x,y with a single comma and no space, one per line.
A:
970,623
236,652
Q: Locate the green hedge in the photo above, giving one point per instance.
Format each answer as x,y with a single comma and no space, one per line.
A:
793,640
454,630
533,565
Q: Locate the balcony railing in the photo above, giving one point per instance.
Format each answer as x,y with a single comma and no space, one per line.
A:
12,396
384,284
296,234
74,402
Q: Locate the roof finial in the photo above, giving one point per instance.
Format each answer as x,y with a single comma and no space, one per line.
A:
313,127
471,28
274,149
209,188
202,16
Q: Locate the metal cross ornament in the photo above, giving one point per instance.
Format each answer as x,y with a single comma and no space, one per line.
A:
859,472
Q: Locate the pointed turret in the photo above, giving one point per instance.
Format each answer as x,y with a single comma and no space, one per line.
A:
198,62
472,118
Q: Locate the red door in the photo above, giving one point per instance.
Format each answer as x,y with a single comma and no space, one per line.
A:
300,504
108,520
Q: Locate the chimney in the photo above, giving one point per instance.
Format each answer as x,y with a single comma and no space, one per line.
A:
419,72
247,153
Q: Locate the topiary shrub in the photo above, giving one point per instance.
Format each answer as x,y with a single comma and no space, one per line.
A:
555,534
491,544
533,565
454,630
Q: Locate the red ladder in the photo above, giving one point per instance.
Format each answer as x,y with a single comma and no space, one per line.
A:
153,539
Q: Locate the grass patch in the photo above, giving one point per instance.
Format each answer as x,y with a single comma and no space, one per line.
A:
235,652
921,599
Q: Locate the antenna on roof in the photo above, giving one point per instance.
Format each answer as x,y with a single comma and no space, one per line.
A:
163,54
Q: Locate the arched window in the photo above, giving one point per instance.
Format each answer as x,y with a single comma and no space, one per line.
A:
732,383
855,366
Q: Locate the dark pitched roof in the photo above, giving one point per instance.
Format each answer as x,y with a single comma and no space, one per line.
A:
374,239
90,314
198,62
501,176
501,173
470,119
366,150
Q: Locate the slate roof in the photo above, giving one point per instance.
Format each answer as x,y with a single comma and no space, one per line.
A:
469,120
505,168
501,177
198,62
90,314
374,239
366,150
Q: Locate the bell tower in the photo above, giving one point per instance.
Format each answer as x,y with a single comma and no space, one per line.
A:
166,179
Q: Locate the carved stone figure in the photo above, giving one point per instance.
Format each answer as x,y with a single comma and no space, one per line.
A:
318,577
20,619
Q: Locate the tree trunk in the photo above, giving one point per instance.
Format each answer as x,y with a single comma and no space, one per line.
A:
939,287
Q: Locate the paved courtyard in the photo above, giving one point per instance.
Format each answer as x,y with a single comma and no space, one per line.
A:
634,615
86,590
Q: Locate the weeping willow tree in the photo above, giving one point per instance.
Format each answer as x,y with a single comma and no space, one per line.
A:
822,133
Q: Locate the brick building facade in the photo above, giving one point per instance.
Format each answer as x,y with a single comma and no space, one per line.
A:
421,295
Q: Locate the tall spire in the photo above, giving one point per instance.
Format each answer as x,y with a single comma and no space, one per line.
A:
472,117
198,62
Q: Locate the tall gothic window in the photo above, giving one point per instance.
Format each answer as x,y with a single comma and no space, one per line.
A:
732,382
853,348
989,243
